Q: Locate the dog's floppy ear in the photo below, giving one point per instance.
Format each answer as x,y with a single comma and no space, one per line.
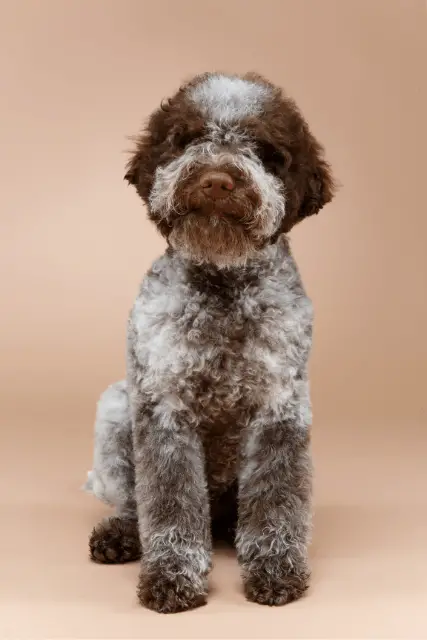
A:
142,164
132,170
319,186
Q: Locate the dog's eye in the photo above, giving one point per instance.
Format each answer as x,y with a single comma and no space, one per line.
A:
182,139
274,158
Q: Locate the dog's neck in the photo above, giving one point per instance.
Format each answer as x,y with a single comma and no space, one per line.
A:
264,262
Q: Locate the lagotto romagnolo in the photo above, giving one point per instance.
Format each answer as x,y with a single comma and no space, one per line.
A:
209,436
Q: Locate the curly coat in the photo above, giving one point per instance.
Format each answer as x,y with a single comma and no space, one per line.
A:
209,436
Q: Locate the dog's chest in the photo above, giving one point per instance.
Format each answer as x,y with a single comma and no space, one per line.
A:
198,343
214,345
212,355
196,351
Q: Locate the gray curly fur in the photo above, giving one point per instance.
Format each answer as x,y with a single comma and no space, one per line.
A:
216,398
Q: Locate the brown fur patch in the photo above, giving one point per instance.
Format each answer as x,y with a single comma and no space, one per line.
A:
115,541
164,595
265,588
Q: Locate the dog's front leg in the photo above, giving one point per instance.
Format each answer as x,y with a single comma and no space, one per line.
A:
173,510
274,510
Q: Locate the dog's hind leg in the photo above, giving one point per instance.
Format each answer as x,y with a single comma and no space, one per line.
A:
112,480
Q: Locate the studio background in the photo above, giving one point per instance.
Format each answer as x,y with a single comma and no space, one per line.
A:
78,77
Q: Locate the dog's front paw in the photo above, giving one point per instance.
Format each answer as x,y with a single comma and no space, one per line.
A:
274,588
164,594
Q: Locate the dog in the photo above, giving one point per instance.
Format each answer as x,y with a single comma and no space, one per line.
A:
209,436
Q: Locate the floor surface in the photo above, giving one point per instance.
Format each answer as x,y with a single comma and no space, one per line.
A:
369,553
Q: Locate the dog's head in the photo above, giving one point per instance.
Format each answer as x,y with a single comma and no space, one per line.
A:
226,166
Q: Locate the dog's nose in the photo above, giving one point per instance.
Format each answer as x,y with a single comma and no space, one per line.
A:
217,184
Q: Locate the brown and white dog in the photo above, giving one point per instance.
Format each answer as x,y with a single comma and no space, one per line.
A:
209,435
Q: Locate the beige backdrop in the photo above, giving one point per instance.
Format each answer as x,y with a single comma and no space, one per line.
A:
79,76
